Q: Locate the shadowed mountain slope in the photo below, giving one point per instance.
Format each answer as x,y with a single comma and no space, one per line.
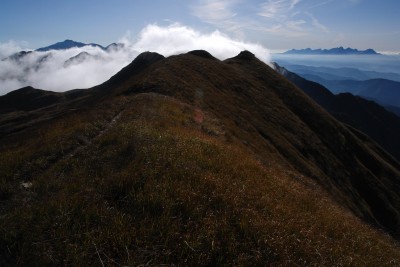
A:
189,159
26,107
383,91
279,122
367,116
28,98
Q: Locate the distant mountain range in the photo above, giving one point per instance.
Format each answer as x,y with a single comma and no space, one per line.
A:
67,44
25,64
333,51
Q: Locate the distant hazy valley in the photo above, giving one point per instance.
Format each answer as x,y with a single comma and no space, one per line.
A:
373,77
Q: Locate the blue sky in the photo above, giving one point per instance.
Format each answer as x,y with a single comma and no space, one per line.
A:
275,24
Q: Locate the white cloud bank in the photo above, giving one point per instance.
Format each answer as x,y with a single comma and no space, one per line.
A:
47,70
9,48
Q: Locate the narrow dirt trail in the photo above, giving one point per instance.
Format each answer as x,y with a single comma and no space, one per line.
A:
88,142
25,185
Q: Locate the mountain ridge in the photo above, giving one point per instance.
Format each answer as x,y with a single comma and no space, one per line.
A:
333,51
189,159
253,67
67,44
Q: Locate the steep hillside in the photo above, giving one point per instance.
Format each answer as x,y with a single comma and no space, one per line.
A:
367,116
280,123
189,160
384,92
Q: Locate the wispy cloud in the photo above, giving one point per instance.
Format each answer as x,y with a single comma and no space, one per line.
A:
315,22
214,11
274,8
284,30
290,18
221,14
294,3
319,4
293,21
295,25
285,17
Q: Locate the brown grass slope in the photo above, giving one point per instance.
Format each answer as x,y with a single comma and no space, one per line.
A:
194,161
280,123
151,184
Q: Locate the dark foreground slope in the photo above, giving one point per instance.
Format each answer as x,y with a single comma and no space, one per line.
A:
194,161
280,123
367,116
21,109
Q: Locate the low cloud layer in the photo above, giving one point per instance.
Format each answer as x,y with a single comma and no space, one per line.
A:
9,48
49,70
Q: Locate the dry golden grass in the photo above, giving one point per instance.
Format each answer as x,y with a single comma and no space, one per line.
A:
157,188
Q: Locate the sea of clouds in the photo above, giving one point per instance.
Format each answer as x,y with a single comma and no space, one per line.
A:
47,70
